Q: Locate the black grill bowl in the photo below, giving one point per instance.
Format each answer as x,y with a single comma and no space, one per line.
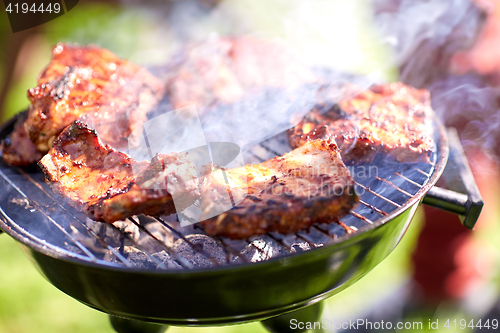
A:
235,293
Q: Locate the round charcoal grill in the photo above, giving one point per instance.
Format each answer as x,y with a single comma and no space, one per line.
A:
152,270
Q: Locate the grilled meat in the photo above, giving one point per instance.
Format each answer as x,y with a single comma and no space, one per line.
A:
18,149
394,118
108,185
286,194
225,69
90,83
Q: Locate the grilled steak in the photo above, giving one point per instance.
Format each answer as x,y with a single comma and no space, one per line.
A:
286,194
90,83
225,69
108,185
394,118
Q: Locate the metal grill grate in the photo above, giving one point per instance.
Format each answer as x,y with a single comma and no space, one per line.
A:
35,212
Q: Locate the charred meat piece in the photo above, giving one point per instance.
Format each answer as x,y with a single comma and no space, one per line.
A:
394,119
223,70
108,185
286,194
17,148
111,94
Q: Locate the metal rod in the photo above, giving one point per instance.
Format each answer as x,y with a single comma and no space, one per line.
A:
324,232
408,180
394,186
311,244
375,209
348,229
378,195
447,200
422,172
361,217
278,240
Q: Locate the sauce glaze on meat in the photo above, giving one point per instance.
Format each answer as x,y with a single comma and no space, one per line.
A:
108,185
394,119
286,194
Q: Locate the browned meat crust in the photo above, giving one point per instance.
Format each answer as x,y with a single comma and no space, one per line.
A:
224,69
101,181
17,148
110,93
394,118
286,194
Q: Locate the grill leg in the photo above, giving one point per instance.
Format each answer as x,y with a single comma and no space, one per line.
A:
289,322
122,325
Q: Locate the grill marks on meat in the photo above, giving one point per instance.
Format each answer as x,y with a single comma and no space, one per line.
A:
394,118
90,83
102,182
223,70
286,194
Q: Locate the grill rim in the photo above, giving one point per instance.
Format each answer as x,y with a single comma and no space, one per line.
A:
442,152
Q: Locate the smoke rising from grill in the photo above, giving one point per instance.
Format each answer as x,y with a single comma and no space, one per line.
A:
467,103
416,37
425,34
289,50
425,37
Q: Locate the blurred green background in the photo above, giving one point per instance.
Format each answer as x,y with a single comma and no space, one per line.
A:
28,303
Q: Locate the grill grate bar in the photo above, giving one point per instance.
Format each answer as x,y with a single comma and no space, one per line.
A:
324,229
311,244
347,228
89,230
378,195
422,172
184,262
361,217
270,149
394,186
193,246
326,233
256,156
375,209
408,180
279,239
58,226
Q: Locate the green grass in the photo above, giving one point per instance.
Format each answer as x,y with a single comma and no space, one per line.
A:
28,303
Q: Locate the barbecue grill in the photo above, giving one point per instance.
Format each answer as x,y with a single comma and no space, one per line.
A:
151,270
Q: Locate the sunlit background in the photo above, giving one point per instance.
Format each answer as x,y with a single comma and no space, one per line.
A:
346,36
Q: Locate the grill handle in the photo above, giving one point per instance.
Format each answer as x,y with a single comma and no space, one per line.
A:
462,197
